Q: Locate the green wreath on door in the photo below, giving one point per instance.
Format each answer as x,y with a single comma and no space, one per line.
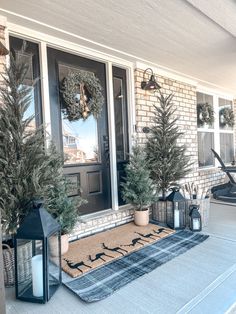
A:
82,96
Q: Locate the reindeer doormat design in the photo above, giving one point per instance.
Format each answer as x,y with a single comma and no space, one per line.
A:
102,248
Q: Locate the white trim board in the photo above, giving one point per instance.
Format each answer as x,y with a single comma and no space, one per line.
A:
68,46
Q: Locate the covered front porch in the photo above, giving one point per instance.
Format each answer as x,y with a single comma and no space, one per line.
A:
188,47
200,281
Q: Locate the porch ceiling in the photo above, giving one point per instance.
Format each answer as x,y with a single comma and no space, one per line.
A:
194,37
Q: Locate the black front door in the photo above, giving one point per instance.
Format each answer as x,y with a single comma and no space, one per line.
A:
84,144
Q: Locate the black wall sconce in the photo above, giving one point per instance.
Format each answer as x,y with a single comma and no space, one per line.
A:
151,84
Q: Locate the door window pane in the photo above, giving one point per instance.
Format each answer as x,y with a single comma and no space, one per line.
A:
80,141
226,147
205,143
80,138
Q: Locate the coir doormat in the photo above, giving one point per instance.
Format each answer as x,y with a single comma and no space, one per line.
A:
103,281
89,253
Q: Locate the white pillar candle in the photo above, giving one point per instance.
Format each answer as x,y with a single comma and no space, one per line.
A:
196,224
176,218
37,275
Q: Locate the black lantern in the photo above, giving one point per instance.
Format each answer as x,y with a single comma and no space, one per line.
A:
37,256
175,209
195,218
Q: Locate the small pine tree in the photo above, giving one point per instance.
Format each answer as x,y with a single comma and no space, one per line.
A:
167,159
27,170
138,189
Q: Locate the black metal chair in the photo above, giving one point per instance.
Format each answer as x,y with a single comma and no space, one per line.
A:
225,192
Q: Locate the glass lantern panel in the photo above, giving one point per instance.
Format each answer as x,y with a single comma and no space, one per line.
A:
29,269
54,269
196,224
176,214
182,214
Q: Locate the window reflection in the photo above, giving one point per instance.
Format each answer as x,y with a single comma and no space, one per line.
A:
205,142
27,58
80,141
226,147
118,106
120,119
80,138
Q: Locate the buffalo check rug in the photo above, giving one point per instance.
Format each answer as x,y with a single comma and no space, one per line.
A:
103,281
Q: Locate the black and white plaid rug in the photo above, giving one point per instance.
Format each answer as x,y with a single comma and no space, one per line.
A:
102,282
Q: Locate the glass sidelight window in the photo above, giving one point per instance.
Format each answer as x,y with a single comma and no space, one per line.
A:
30,56
121,124
120,119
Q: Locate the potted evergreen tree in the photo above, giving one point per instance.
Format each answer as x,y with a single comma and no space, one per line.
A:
64,209
28,171
139,189
166,156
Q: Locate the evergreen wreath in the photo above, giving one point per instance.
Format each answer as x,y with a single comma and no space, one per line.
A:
205,113
90,101
227,117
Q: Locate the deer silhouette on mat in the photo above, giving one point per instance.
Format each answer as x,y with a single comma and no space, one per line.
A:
160,230
135,241
147,236
115,249
73,265
99,256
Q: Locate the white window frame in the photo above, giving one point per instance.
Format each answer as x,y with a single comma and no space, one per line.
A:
216,130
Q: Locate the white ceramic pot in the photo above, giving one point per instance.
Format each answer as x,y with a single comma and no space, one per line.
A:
141,217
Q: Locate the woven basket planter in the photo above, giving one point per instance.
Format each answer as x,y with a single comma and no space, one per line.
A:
159,211
24,253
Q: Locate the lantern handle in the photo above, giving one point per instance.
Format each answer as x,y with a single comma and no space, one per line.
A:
174,189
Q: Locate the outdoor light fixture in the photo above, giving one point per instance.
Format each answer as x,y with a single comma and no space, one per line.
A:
3,50
37,256
175,209
195,218
151,84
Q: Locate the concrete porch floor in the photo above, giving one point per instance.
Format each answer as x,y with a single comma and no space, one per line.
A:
203,280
